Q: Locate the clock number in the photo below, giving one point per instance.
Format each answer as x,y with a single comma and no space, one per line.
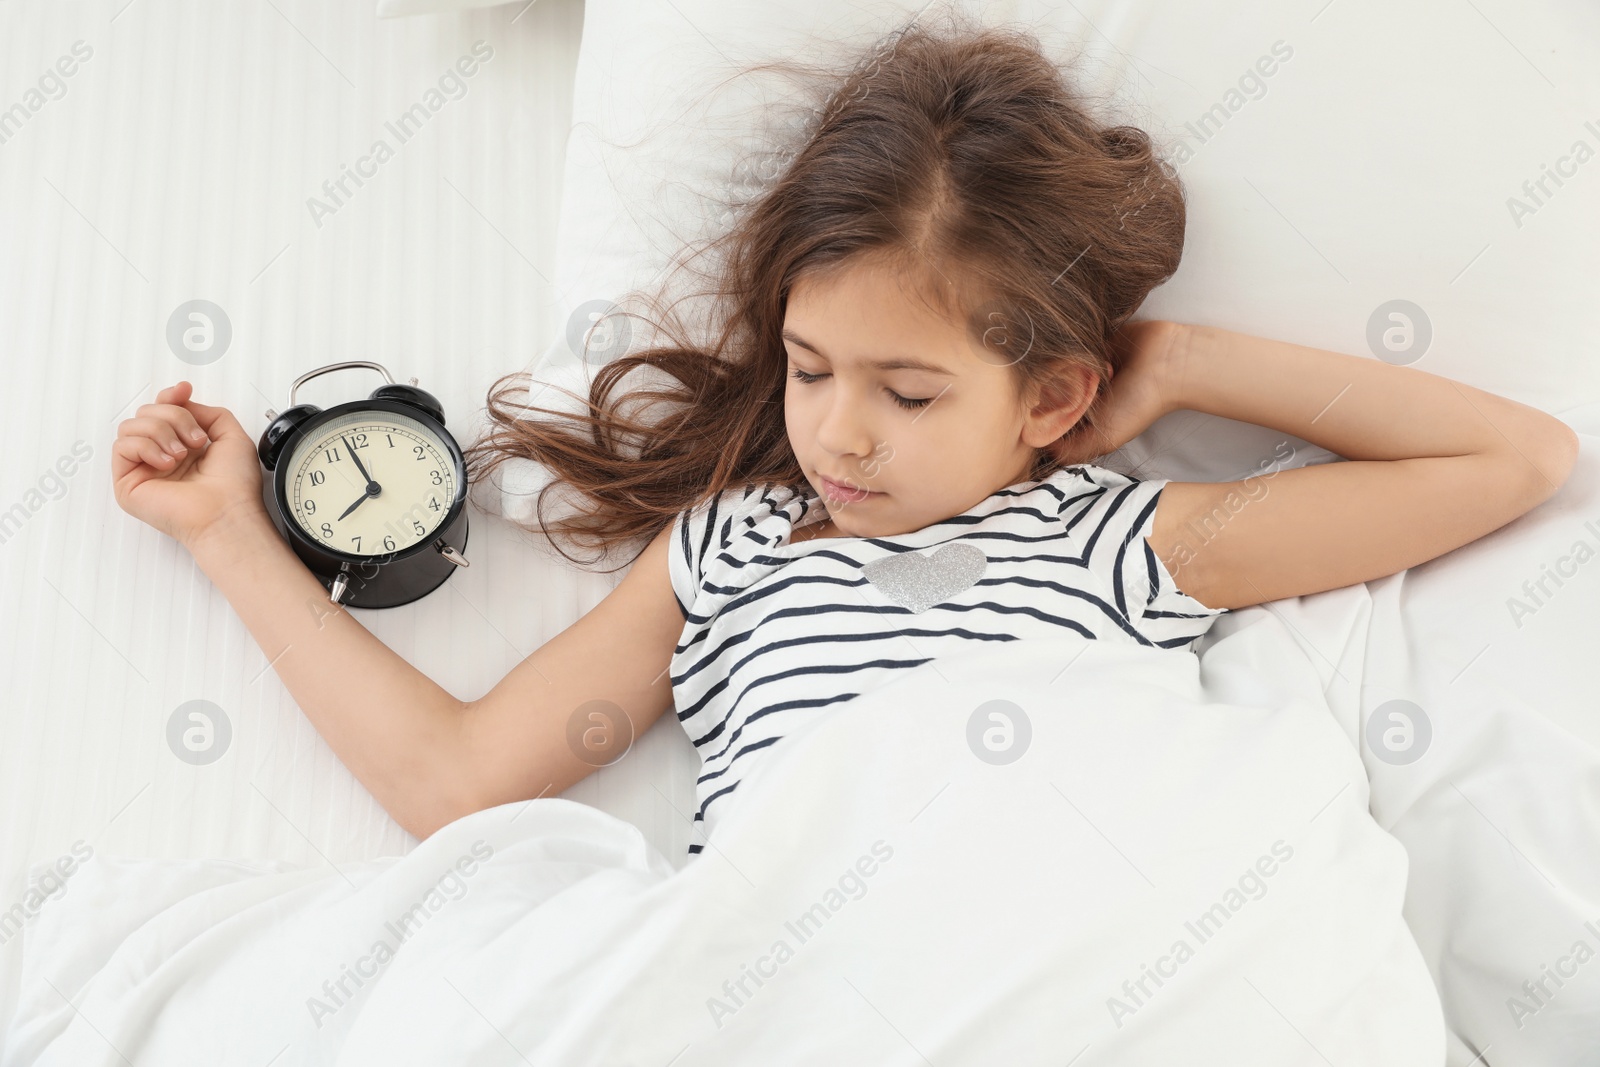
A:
390,436
421,529
317,477
332,454
436,479
418,450
357,540
360,440
388,542
327,531
433,502
311,507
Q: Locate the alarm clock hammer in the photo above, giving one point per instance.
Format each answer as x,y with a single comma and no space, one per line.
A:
407,532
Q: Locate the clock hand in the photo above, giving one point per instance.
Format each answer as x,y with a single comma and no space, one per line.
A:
361,500
360,467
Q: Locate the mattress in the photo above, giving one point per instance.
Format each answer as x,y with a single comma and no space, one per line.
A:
177,164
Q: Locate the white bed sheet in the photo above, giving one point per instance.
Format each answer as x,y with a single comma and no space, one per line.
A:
1219,844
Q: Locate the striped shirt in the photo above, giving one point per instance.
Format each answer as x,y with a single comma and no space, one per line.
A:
775,633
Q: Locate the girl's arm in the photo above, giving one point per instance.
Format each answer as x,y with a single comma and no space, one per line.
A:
190,470
574,705
396,729
1433,465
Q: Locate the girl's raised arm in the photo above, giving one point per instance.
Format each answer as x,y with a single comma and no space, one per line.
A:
1432,465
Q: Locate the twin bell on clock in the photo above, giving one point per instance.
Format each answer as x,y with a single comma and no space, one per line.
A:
370,494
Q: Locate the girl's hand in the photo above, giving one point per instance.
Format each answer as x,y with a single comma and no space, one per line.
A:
1139,390
181,466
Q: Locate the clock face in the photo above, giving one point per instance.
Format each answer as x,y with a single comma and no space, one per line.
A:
370,483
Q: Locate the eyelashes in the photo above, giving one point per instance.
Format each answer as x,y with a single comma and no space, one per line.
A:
906,402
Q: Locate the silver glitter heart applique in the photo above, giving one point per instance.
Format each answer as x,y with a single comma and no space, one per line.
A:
918,582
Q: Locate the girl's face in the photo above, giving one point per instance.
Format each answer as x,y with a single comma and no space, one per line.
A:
930,441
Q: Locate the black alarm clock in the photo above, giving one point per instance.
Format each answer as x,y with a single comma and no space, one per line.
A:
371,494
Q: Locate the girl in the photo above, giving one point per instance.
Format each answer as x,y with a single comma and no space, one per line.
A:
935,296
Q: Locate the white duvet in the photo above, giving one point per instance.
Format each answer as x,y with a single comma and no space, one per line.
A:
1042,852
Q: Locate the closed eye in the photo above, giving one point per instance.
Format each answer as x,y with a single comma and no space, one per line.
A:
906,402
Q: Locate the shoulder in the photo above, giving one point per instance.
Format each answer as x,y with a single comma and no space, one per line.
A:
1110,518
748,503
726,529
1089,497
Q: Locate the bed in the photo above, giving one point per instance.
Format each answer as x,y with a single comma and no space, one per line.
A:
1395,155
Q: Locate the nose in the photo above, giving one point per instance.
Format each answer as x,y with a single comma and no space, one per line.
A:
845,430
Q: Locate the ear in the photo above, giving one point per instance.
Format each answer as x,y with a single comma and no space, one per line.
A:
1057,406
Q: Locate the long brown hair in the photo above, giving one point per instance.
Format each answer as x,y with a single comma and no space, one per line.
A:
962,156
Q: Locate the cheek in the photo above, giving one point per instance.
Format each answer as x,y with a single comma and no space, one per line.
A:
794,418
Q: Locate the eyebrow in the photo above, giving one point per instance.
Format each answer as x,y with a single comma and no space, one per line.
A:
897,363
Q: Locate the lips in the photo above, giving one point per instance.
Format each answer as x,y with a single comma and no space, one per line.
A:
840,491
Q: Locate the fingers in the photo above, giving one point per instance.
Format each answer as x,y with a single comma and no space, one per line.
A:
214,422
217,422
180,418
175,394
156,429
132,451
159,440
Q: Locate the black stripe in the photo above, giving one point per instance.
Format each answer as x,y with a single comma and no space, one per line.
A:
709,658
1152,573
1174,614
772,709
752,747
1122,549
812,639
843,668
701,814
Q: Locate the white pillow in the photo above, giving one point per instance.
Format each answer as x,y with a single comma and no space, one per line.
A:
1372,165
